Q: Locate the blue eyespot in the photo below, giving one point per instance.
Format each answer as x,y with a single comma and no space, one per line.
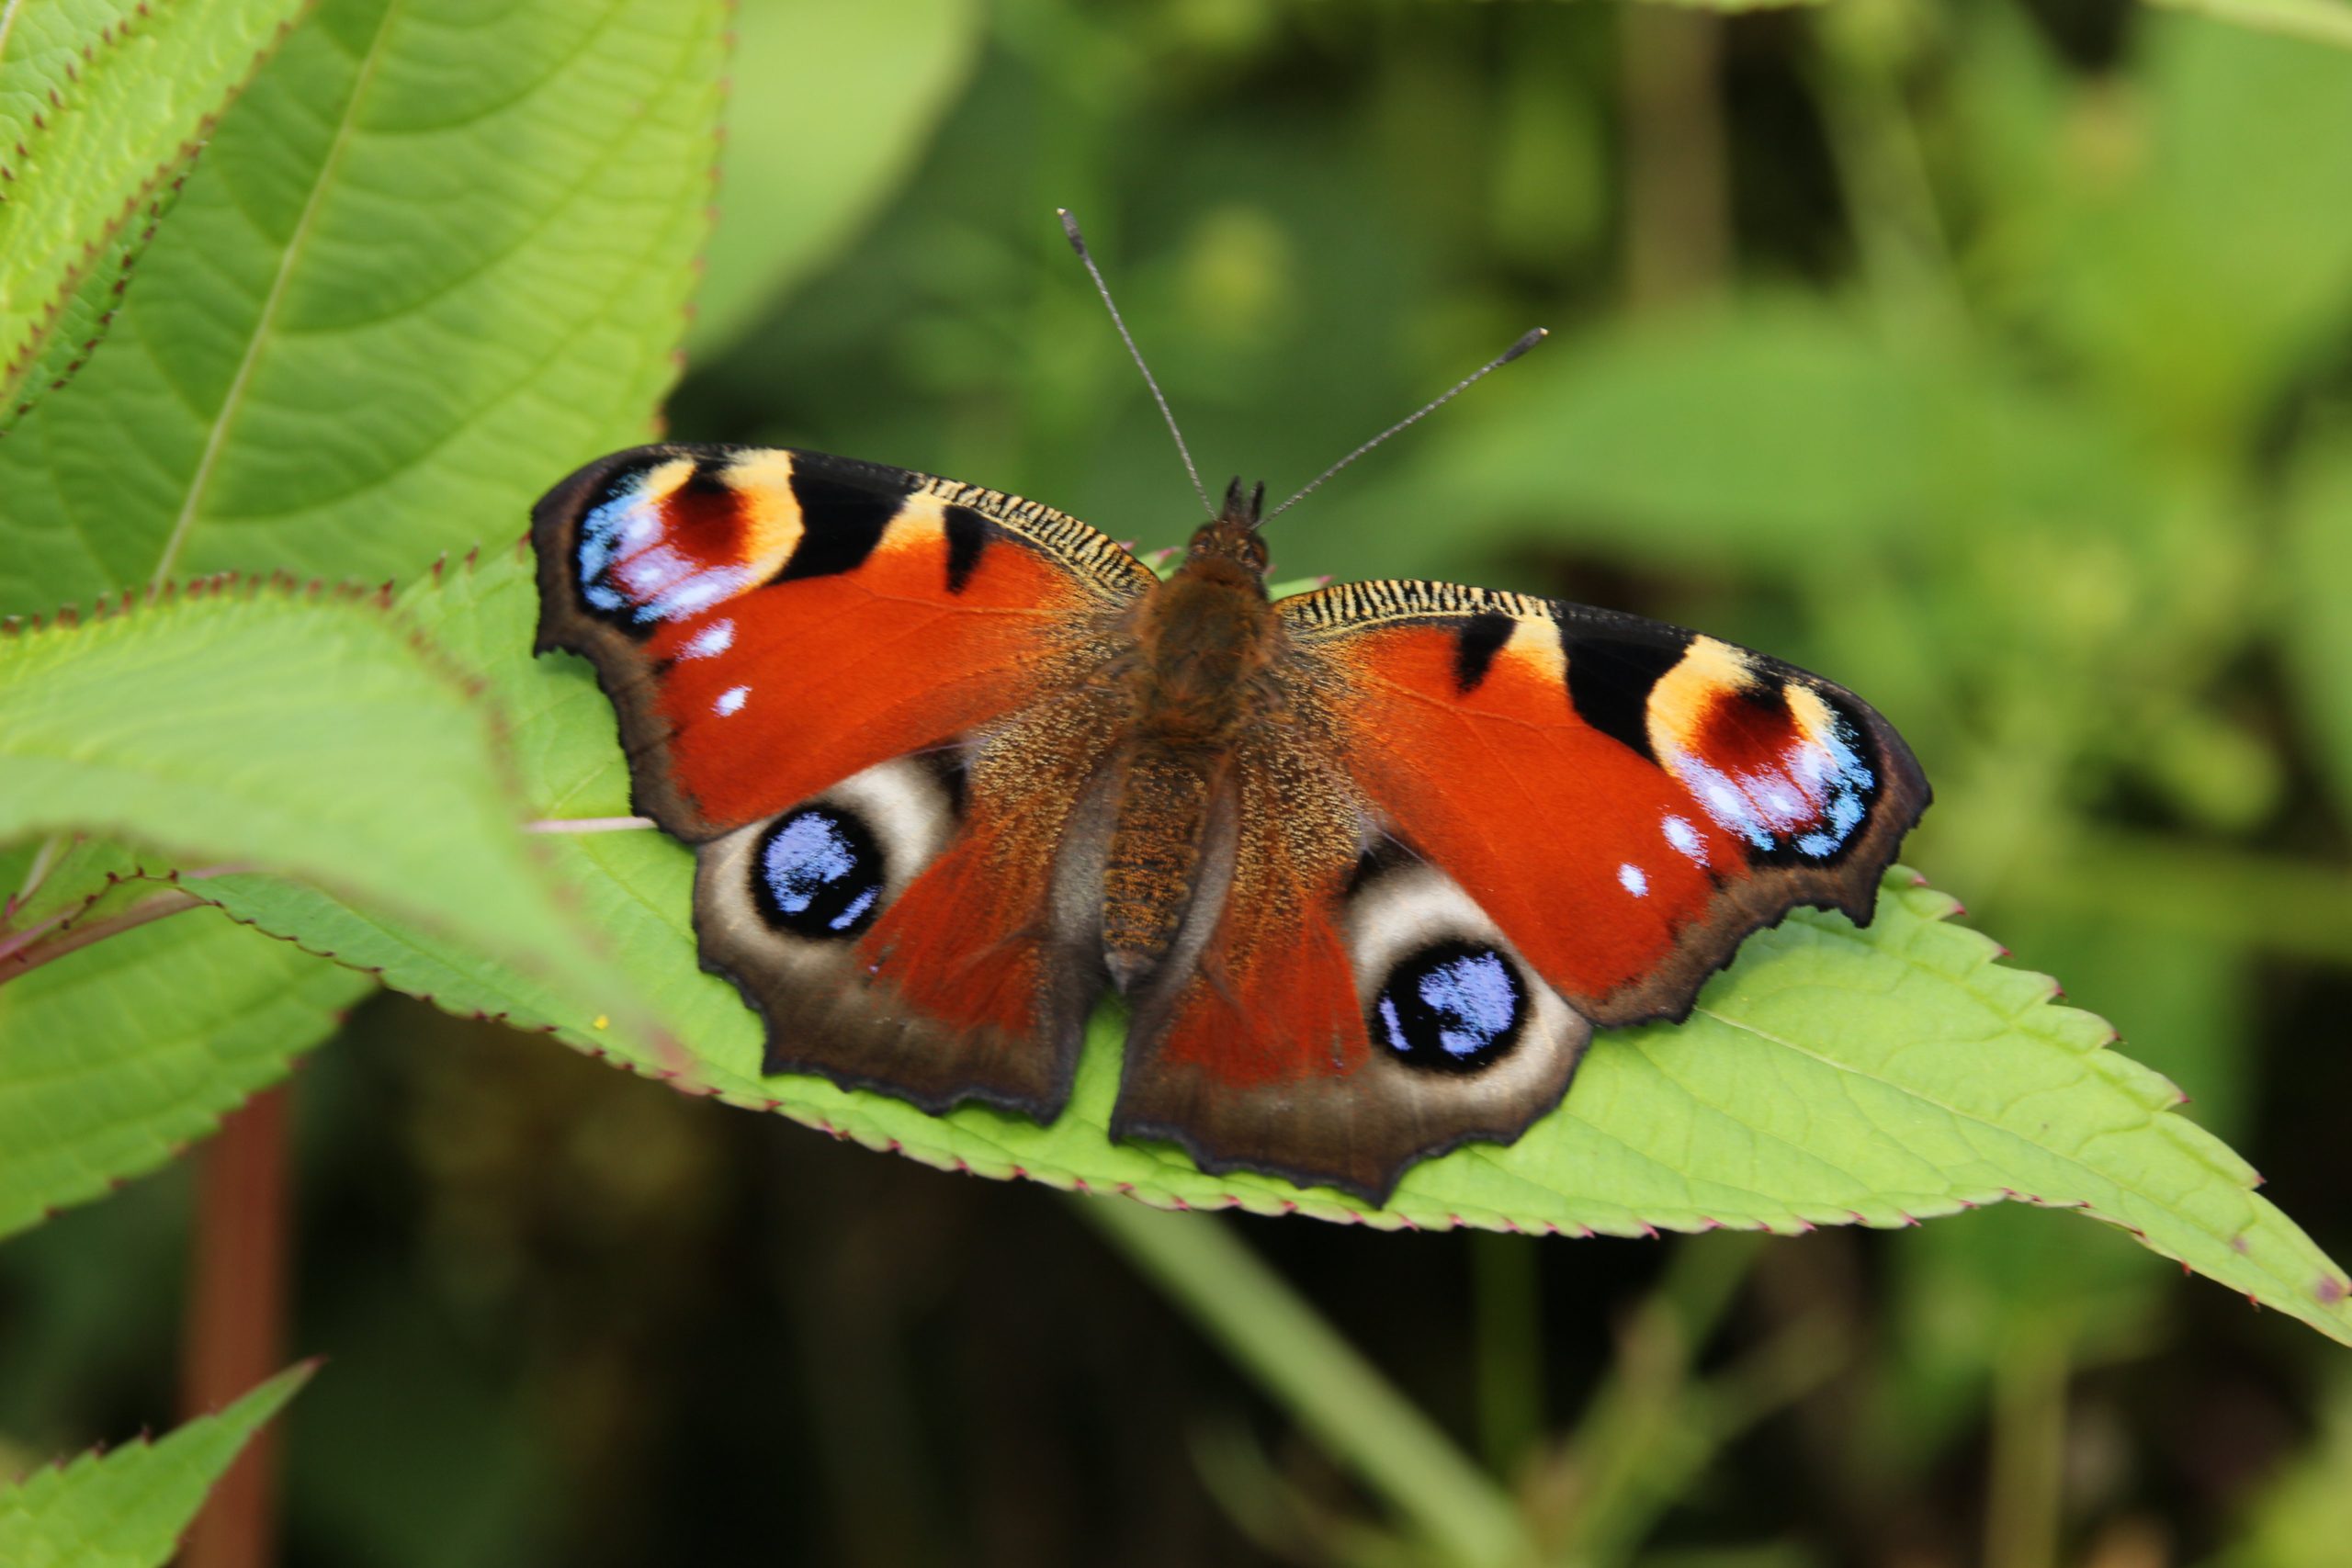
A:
817,872
1455,1006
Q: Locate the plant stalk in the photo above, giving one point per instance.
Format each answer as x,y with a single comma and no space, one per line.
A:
236,1320
1336,1395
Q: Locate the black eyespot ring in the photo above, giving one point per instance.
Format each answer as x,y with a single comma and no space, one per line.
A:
1454,1006
817,872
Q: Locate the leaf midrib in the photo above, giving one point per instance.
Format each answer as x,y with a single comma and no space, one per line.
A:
288,261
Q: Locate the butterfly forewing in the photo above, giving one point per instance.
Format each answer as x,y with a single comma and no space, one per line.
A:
862,692
1627,799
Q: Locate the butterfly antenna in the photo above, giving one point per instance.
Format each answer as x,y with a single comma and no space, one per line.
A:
1078,243
1504,357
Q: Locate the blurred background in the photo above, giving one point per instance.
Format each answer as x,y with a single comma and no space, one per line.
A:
1989,359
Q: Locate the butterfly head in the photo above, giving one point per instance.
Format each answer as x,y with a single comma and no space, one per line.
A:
1232,534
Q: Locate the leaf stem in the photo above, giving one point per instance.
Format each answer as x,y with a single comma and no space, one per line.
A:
1335,1394
22,955
2024,1493
1652,1427
1677,224
1507,1298
236,1320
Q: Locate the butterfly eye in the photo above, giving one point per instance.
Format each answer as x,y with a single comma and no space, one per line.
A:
1454,1007
817,872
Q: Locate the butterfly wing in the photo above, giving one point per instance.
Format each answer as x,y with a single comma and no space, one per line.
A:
1273,1039
1628,799
871,699
1489,822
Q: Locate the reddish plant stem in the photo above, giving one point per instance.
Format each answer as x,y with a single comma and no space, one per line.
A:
29,950
236,1320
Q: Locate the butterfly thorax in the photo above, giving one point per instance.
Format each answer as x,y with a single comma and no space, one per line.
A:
1204,641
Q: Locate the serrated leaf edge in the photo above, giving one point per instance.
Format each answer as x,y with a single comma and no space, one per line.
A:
471,688
167,172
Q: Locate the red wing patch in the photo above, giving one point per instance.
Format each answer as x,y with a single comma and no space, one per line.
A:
771,696
1272,1002
768,623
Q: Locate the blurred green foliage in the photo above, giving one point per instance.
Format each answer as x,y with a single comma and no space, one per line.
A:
1992,359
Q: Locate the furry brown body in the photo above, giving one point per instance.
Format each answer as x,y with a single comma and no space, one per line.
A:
1206,639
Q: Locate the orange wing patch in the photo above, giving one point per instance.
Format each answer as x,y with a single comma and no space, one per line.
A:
770,622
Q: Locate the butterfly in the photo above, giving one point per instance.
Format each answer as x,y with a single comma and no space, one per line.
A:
1368,865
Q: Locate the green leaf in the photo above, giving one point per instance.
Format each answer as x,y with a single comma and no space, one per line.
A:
129,1509
78,876
102,102
115,1057
88,315
423,268
435,258
2190,244
313,736
1964,1295
2315,581
1816,436
803,169
2324,21
1832,1076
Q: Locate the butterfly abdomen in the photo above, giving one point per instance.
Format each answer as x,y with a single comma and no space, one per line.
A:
1155,855
1205,639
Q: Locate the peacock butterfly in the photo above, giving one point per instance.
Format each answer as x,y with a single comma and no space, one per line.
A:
1369,864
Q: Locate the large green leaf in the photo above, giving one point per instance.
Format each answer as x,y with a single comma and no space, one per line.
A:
435,257
305,733
127,1508
1964,1296
2202,252
1832,1076
2327,21
115,1057
101,103
421,268
1768,430
804,167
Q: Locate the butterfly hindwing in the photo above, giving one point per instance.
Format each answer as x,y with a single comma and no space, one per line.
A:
928,926
863,694
1336,1009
